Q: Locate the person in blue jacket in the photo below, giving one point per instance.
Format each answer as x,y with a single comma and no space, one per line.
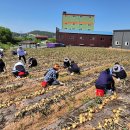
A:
105,81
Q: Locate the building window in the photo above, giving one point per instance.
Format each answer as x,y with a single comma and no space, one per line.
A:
101,38
117,43
81,38
71,37
92,38
61,36
126,43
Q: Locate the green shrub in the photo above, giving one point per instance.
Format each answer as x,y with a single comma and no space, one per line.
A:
51,40
6,46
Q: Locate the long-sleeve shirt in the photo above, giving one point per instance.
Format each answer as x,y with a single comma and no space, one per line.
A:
119,72
74,66
105,79
1,54
32,62
2,66
20,52
67,64
50,75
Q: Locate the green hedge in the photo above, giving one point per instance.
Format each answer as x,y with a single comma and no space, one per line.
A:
6,46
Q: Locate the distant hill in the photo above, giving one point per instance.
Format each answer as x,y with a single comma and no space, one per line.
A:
15,34
49,34
36,32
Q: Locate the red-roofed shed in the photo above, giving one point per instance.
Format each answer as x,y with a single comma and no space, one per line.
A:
41,37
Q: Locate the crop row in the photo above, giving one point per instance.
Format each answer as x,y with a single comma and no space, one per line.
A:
39,92
10,87
8,103
88,114
55,98
110,123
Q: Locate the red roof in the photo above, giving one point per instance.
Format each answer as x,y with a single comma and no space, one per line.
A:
39,36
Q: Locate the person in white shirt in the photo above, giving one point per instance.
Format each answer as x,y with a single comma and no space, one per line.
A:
21,53
19,70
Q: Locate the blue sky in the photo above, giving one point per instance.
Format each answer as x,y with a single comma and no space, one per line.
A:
27,15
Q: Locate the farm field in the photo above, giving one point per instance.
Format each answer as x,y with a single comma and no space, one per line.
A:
24,105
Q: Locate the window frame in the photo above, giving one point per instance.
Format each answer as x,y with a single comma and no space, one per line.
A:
102,38
118,43
127,43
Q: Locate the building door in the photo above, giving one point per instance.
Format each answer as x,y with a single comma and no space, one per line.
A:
117,39
126,40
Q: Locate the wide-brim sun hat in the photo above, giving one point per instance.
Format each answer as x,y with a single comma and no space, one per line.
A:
66,59
116,68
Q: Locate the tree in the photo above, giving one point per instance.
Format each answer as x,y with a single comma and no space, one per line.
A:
5,35
51,40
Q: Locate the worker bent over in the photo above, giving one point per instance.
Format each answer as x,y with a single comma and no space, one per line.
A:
67,63
51,76
105,81
74,68
2,65
19,70
118,71
32,62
